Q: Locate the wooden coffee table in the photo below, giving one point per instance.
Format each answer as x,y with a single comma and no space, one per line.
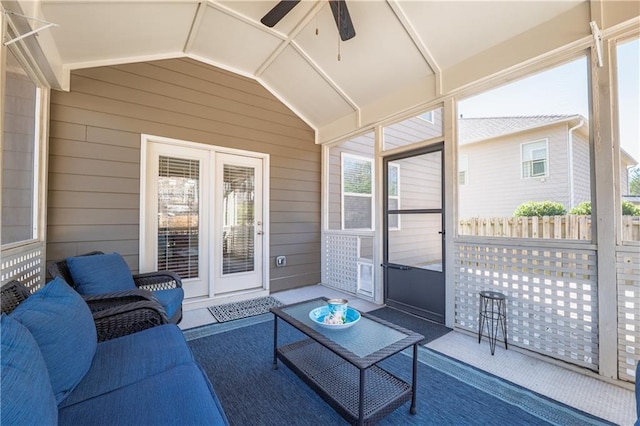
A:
341,365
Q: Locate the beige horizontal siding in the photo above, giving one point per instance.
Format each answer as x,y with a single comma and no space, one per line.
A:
94,156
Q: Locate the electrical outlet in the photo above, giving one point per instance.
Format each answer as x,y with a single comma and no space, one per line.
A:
281,261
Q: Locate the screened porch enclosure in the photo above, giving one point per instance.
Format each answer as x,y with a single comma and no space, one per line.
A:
76,104
550,279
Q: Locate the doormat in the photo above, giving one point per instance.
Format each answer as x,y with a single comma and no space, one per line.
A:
429,329
246,308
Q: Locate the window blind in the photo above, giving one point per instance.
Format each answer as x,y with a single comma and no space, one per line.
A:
239,225
178,216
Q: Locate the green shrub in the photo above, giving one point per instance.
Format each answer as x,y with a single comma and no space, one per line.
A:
539,209
582,209
628,209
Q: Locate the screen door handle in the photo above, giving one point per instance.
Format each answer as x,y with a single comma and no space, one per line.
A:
401,267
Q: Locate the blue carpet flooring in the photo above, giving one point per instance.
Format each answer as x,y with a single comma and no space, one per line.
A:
237,356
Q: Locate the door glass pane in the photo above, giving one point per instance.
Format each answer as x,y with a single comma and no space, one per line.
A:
178,216
238,217
420,182
418,243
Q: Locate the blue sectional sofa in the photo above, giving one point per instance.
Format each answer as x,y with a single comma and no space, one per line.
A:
55,372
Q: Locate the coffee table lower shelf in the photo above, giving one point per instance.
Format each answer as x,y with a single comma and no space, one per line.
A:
338,382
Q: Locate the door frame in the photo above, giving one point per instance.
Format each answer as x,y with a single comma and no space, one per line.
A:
435,147
198,303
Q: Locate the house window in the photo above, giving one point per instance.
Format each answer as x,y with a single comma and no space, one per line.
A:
394,195
357,192
463,170
20,153
534,159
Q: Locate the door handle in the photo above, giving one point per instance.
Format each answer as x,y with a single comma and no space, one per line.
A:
400,267
260,232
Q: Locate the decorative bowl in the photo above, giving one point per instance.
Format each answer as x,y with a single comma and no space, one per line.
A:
318,315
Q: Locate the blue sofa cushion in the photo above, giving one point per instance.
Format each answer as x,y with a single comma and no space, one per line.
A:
180,396
63,327
100,273
171,299
27,397
128,359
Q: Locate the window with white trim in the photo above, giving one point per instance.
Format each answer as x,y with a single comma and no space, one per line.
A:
535,161
393,189
357,192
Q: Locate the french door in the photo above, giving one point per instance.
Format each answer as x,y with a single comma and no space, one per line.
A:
414,233
202,213
238,249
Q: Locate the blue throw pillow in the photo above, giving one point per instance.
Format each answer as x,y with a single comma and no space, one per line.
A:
100,273
63,327
27,397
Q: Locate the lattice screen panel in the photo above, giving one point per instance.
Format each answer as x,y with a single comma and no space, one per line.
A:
341,255
551,293
25,265
628,281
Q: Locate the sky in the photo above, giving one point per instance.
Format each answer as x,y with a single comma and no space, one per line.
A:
564,90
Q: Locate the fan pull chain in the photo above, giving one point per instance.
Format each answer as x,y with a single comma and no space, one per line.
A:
339,31
339,26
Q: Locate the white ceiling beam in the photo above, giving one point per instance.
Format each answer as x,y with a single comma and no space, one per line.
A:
289,38
290,42
329,81
245,19
195,26
418,42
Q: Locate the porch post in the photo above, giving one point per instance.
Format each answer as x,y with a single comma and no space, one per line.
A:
604,214
449,111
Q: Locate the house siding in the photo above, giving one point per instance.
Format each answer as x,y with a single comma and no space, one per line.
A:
581,169
94,160
495,185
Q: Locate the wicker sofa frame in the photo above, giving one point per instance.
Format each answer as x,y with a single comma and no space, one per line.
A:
114,316
145,283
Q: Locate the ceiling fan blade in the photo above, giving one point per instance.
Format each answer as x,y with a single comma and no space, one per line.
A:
343,19
278,12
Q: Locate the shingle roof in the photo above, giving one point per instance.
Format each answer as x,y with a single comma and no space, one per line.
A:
477,129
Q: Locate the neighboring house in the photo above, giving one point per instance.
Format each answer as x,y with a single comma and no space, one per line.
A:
506,161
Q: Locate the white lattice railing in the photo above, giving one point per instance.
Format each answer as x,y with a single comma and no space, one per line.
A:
25,264
551,292
628,283
340,261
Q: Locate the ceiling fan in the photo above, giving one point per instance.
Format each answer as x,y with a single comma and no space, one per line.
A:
338,7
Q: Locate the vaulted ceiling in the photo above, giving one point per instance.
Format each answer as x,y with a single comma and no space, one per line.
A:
404,52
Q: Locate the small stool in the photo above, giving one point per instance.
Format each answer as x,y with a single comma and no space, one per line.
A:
493,313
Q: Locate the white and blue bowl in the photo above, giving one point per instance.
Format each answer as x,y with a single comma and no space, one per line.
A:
317,315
